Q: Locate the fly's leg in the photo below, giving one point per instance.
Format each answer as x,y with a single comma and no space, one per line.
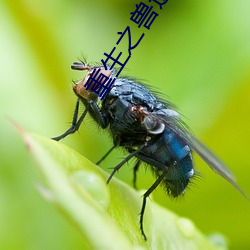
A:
93,109
124,161
105,155
145,196
135,169
97,114
75,124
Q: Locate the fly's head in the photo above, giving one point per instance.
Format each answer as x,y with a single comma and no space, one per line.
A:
80,88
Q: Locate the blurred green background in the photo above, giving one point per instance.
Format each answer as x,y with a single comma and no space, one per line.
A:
196,52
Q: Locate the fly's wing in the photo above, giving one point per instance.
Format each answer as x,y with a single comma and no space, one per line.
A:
175,124
212,160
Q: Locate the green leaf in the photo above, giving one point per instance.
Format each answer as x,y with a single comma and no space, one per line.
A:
106,215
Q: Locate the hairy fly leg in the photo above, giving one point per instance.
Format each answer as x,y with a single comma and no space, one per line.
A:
75,124
93,109
145,196
116,168
135,169
97,114
105,155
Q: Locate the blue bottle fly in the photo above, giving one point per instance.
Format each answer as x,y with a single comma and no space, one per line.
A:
149,128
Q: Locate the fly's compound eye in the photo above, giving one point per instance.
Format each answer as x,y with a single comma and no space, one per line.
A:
152,125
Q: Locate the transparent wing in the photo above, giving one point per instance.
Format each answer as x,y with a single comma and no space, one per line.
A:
208,156
175,124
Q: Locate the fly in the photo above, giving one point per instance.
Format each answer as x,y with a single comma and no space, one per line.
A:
149,128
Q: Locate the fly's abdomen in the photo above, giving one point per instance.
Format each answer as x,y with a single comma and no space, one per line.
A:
180,166
178,176
170,155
